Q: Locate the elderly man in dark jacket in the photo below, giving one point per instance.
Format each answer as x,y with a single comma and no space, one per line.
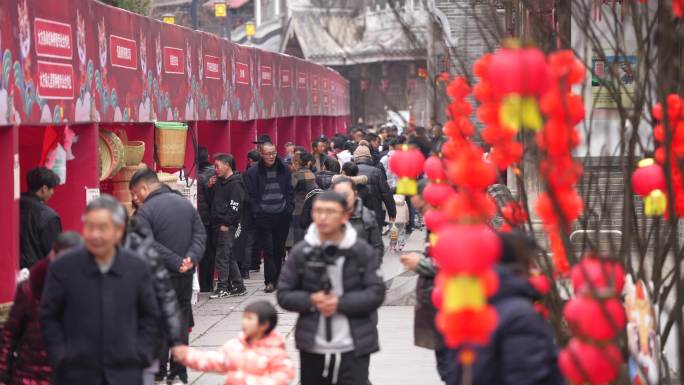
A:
379,191
99,311
180,240
522,350
332,279
271,200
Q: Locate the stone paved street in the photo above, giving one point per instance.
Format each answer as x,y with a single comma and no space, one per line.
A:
398,363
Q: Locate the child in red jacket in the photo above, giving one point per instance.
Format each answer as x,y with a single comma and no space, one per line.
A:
257,356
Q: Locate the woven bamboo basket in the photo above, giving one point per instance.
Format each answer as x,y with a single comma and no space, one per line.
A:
134,150
170,139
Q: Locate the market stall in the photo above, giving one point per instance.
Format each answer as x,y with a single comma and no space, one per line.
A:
89,91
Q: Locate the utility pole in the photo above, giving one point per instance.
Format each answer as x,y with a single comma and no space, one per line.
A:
193,14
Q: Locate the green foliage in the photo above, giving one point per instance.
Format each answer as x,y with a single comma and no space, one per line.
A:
137,6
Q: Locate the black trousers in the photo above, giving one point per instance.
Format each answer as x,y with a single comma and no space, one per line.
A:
182,285
271,235
206,266
226,262
352,370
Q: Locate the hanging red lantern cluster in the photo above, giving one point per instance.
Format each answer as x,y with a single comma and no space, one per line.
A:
464,247
407,164
675,126
648,181
596,317
465,254
514,216
543,286
560,205
493,111
438,191
678,8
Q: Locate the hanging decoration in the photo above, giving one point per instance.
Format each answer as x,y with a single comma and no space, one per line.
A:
459,222
596,317
675,117
407,164
648,181
560,205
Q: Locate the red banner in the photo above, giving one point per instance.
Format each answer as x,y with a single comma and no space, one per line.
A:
284,78
124,52
174,60
81,61
55,80
53,39
212,67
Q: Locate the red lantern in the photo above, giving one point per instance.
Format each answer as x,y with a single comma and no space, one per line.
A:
436,194
607,277
540,283
600,365
648,177
467,326
437,297
434,169
519,71
435,219
407,164
591,319
470,249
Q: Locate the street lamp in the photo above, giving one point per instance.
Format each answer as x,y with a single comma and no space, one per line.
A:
169,18
250,30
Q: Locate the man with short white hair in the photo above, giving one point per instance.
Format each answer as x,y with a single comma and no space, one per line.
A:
99,311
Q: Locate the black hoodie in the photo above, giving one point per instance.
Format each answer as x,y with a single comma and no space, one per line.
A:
228,196
522,350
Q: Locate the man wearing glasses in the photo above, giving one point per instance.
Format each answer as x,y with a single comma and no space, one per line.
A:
271,200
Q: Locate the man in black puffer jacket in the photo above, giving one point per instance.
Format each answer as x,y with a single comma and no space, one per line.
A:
141,240
379,191
521,350
204,174
228,192
336,293
180,240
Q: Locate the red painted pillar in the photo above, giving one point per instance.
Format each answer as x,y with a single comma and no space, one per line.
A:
215,136
242,134
303,131
286,132
9,220
268,127
316,127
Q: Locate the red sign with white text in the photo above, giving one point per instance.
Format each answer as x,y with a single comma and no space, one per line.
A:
266,75
314,98
284,78
325,84
174,60
242,73
314,82
55,80
124,52
325,100
212,67
301,80
53,39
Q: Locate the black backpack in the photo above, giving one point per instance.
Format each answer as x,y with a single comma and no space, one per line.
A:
305,218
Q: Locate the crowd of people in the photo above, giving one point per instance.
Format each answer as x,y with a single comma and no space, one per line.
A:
113,305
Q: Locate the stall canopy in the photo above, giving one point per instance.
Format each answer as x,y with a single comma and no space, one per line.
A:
80,61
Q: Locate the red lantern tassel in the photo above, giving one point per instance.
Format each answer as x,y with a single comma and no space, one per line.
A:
407,186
